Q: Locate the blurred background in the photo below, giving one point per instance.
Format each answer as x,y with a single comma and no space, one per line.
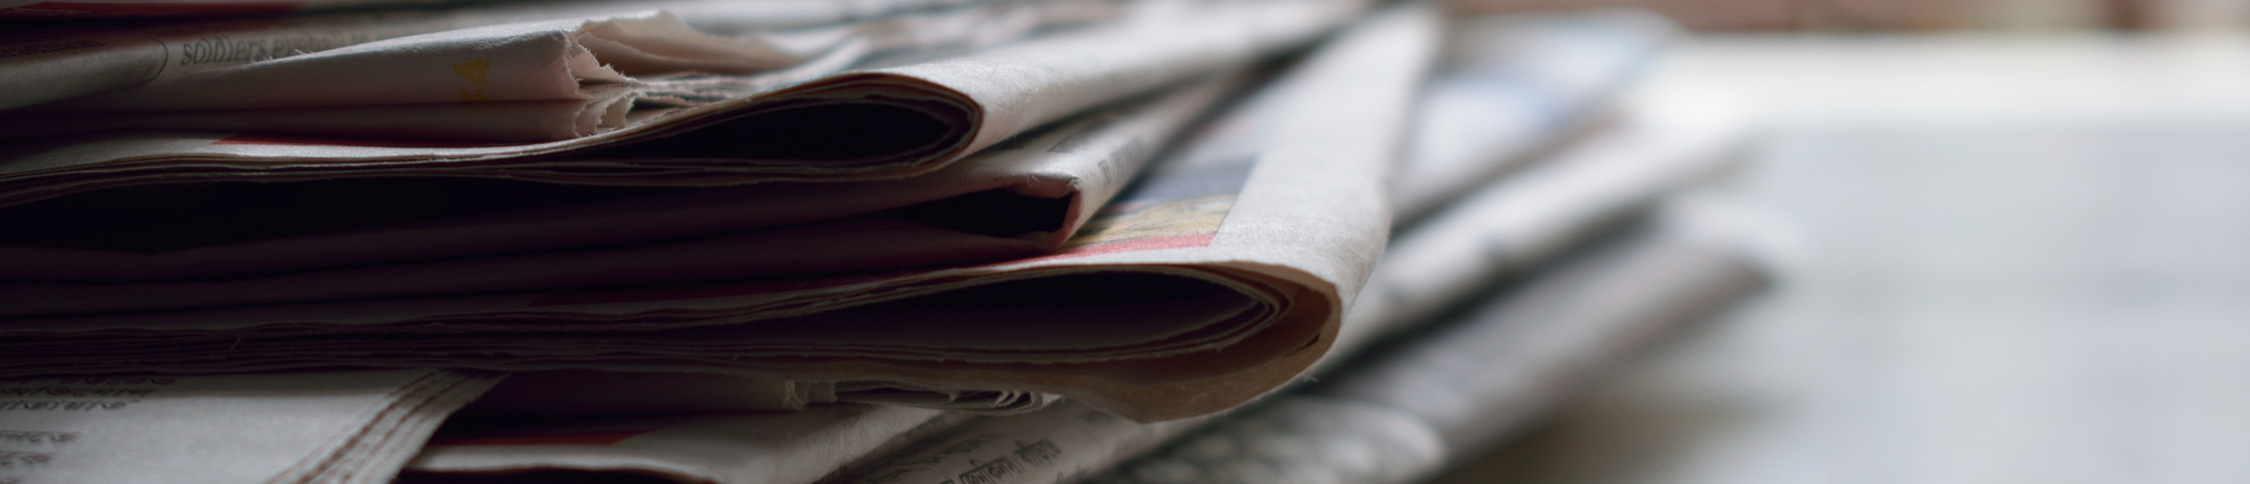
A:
1921,15
2025,234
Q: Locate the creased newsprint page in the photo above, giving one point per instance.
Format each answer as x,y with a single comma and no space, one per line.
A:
493,74
738,448
1544,207
1019,199
565,394
1061,444
1405,410
770,13
1512,85
773,12
47,64
1215,281
342,427
1655,149
1510,98
538,60
856,125
80,9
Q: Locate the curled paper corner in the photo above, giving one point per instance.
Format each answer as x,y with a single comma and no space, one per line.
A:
608,108
658,42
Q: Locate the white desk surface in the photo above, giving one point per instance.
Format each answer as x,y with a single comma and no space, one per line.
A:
2030,263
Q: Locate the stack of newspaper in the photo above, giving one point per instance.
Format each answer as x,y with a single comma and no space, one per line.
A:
799,241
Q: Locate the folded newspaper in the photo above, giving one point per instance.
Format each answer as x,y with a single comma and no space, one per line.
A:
1008,201
722,448
43,9
1023,198
1537,214
1452,258
338,427
1395,417
148,66
870,123
192,238
1551,205
801,446
770,12
1404,412
1222,276
718,446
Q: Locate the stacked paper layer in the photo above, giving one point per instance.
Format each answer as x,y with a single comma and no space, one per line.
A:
801,241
